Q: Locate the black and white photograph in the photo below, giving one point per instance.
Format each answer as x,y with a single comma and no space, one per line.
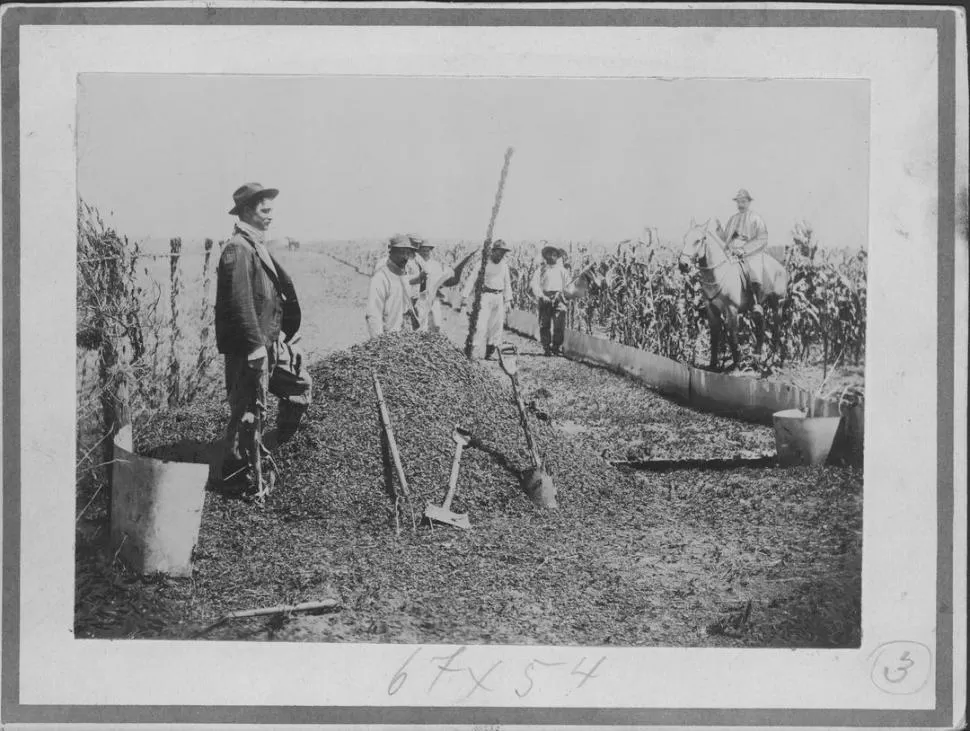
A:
484,365
639,424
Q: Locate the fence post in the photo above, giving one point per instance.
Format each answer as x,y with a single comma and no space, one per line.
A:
173,366
113,377
201,362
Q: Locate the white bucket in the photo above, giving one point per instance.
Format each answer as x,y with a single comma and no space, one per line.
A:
801,440
156,510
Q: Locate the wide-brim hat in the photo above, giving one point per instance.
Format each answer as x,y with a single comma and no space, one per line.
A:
499,245
399,241
742,194
249,192
553,250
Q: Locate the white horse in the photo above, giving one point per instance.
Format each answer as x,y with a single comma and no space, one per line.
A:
731,289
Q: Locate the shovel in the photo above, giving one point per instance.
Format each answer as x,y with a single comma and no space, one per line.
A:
535,481
443,513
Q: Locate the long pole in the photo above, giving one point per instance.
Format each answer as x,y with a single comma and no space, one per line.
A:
486,254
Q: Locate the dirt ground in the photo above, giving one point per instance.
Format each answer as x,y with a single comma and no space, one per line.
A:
684,555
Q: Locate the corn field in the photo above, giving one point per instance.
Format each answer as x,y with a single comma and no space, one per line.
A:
645,302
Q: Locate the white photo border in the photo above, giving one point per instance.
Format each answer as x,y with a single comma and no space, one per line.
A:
910,475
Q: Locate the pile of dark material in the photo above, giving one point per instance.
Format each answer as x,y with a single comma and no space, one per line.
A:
429,387
596,571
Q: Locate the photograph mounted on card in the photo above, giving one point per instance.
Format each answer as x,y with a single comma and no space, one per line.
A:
542,367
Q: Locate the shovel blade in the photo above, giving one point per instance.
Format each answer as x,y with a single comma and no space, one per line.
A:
440,515
539,487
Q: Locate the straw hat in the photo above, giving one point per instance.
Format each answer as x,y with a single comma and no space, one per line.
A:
499,245
248,192
553,250
743,193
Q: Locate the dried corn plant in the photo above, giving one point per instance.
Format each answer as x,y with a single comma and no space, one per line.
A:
129,345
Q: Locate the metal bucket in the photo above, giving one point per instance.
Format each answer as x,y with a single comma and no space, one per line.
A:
803,440
156,510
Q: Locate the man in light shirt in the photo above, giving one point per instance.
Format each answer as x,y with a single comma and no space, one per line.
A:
746,236
433,275
389,304
257,312
549,284
496,298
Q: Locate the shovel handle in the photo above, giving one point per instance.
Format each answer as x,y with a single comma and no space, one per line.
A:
533,449
453,481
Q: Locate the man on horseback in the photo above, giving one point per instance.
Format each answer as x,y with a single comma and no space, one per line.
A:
746,237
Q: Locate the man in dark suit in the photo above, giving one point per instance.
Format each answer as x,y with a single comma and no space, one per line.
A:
257,322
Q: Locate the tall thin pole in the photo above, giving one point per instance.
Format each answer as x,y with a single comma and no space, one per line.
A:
486,253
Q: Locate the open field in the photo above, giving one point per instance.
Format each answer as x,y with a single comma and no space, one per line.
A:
749,556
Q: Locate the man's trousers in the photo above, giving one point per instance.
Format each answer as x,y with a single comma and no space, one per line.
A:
552,325
245,381
491,320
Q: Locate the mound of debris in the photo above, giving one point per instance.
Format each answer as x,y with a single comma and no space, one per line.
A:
429,388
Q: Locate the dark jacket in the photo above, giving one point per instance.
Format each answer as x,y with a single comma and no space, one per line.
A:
252,304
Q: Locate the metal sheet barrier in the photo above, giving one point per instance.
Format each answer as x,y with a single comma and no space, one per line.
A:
751,399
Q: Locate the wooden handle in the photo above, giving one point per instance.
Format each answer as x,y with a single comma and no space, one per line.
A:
486,253
533,449
391,442
453,481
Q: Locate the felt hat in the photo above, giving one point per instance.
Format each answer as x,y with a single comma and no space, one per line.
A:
399,241
249,192
552,250
743,193
420,242
499,245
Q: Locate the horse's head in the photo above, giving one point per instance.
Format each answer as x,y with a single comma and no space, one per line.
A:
695,244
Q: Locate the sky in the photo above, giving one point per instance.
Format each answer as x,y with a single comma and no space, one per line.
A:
365,157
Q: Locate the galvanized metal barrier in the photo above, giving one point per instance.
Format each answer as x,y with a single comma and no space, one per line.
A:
751,399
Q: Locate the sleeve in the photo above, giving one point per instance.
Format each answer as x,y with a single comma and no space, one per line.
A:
376,296
415,271
535,285
437,279
236,272
292,314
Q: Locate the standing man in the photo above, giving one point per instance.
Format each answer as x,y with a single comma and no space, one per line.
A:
549,284
746,237
433,275
496,298
389,304
257,317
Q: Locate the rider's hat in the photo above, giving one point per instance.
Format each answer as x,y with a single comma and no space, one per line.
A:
743,193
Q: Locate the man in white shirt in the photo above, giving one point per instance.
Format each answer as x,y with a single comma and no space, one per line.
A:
496,298
433,275
389,304
549,285
413,272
